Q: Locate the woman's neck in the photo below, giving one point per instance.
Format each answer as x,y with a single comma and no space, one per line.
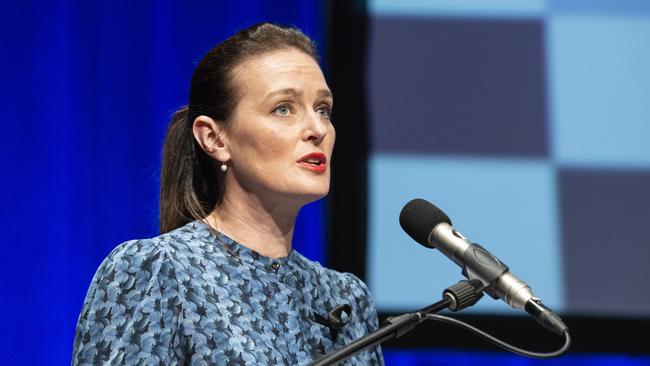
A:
264,228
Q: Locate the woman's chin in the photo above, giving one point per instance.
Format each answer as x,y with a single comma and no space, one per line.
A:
311,195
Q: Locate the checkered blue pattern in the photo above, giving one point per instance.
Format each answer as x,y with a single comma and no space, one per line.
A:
528,123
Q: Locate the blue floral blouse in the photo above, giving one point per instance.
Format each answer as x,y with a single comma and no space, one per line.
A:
193,296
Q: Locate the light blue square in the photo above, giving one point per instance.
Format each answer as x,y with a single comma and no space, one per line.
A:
508,206
459,8
599,90
604,7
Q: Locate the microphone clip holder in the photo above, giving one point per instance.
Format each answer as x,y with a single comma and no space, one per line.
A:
459,296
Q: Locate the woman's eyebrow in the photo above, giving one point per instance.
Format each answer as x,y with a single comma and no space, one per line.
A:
322,93
325,93
288,91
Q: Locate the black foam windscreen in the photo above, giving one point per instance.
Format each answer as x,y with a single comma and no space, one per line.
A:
419,217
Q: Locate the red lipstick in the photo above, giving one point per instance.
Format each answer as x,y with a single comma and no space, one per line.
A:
316,162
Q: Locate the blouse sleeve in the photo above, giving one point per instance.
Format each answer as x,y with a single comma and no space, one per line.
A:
131,311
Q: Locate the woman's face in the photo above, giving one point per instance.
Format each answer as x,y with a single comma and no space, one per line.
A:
280,137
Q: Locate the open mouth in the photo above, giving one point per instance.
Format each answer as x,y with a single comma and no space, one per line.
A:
314,161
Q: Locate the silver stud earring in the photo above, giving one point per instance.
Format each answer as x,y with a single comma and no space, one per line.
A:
224,167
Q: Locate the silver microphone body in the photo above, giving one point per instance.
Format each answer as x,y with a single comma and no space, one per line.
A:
454,245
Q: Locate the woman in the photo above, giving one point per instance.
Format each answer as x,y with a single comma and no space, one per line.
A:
222,284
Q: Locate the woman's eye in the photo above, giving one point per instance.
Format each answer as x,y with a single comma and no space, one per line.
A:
324,111
282,110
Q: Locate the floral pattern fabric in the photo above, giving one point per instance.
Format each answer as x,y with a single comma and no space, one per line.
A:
196,297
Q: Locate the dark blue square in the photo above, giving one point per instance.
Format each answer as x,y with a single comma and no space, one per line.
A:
605,233
458,86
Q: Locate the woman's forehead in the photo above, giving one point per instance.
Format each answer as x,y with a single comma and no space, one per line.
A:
286,71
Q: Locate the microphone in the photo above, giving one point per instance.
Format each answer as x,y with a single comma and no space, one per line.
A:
429,226
336,319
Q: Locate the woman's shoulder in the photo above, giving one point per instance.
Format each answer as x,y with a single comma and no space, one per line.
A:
337,288
133,265
133,294
176,245
132,268
331,276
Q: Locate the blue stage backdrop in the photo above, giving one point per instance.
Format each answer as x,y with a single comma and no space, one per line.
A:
87,90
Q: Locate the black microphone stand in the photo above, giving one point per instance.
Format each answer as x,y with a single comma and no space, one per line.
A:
459,296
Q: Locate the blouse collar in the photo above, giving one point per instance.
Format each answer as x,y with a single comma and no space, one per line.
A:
240,251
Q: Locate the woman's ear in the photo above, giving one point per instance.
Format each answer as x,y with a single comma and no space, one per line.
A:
211,136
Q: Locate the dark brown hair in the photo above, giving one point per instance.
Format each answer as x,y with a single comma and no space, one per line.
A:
190,184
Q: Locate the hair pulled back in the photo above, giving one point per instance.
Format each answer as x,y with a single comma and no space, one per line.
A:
191,184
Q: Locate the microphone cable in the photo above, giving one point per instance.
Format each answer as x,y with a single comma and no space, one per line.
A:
506,346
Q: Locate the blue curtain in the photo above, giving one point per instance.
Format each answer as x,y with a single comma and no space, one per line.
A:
87,90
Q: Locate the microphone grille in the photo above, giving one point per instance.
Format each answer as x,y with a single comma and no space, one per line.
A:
419,217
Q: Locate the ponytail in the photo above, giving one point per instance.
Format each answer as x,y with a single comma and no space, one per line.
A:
189,187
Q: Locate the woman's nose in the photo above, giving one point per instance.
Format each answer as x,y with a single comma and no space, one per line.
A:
316,128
